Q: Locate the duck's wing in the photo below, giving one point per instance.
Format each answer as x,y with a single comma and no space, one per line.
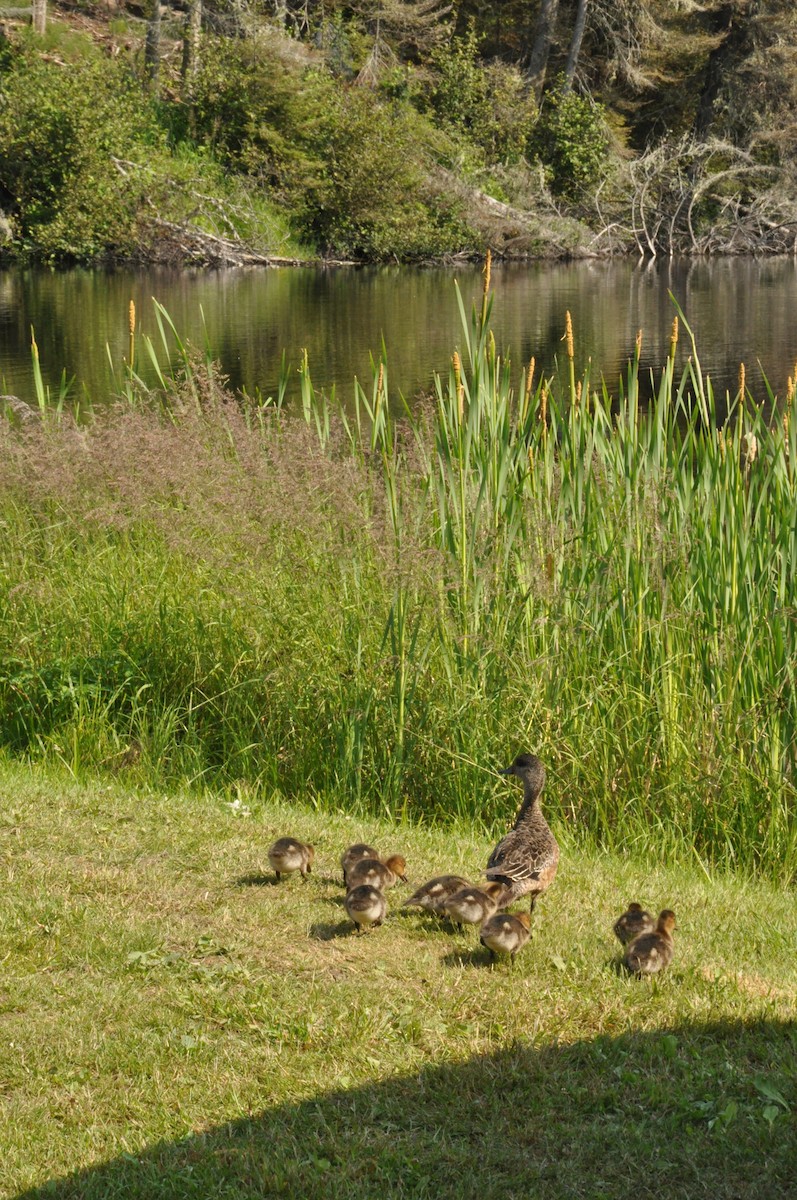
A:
514,859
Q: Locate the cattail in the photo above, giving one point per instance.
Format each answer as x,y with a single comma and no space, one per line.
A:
488,266
491,347
380,379
741,380
751,453
673,337
569,335
638,345
131,323
527,390
578,393
790,389
544,406
459,388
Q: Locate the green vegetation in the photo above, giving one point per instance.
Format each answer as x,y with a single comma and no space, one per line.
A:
205,589
389,132
174,1025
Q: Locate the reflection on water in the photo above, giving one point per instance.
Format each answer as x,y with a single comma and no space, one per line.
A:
740,310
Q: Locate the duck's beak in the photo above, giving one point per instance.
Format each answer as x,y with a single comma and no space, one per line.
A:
506,770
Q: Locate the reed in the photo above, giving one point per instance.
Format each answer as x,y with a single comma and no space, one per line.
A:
379,610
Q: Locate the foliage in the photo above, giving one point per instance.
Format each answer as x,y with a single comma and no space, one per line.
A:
488,104
371,199
60,129
570,139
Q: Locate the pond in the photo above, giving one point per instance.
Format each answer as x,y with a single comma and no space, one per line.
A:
740,310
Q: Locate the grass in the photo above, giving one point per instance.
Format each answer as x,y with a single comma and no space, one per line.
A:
176,1025
206,590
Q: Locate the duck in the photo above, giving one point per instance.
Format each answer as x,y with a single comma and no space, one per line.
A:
433,894
633,922
505,933
354,853
287,855
473,905
366,906
379,874
525,860
652,952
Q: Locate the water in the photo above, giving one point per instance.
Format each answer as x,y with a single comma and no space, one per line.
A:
740,309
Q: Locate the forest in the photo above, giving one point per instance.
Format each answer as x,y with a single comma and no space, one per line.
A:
226,131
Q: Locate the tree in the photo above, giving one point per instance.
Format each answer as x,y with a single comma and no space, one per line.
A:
575,42
541,49
40,16
152,46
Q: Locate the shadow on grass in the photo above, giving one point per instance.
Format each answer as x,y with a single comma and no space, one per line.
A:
693,1111
258,880
325,931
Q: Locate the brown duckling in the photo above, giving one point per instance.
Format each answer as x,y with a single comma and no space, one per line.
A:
366,906
354,853
526,859
652,952
287,855
473,905
633,922
505,933
433,894
378,874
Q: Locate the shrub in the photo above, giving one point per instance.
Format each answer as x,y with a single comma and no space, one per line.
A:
489,105
60,129
570,139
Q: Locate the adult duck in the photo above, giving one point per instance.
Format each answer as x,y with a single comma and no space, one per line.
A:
525,861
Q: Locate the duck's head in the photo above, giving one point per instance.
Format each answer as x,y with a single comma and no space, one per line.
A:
528,768
634,907
666,921
493,888
397,865
310,854
524,918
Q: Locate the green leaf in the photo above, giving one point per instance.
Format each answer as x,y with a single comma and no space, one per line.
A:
762,1084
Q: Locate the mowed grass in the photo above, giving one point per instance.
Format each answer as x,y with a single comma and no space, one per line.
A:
175,1024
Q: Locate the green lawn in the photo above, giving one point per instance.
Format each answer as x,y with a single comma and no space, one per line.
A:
174,1024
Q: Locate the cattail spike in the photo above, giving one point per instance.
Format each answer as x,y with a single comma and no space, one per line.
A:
673,337
638,345
741,380
458,386
569,335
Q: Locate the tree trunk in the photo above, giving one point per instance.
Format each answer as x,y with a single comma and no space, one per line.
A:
575,44
191,35
543,36
152,48
39,16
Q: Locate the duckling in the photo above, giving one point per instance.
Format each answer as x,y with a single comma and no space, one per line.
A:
366,906
505,933
354,853
473,905
378,874
652,952
526,859
288,855
433,894
633,922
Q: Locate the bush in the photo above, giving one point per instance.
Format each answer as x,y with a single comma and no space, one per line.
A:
570,139
60,129
489,105
371,200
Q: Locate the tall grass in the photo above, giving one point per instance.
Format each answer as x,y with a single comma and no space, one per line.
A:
377,611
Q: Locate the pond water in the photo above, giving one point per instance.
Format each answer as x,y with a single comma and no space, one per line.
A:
740,310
